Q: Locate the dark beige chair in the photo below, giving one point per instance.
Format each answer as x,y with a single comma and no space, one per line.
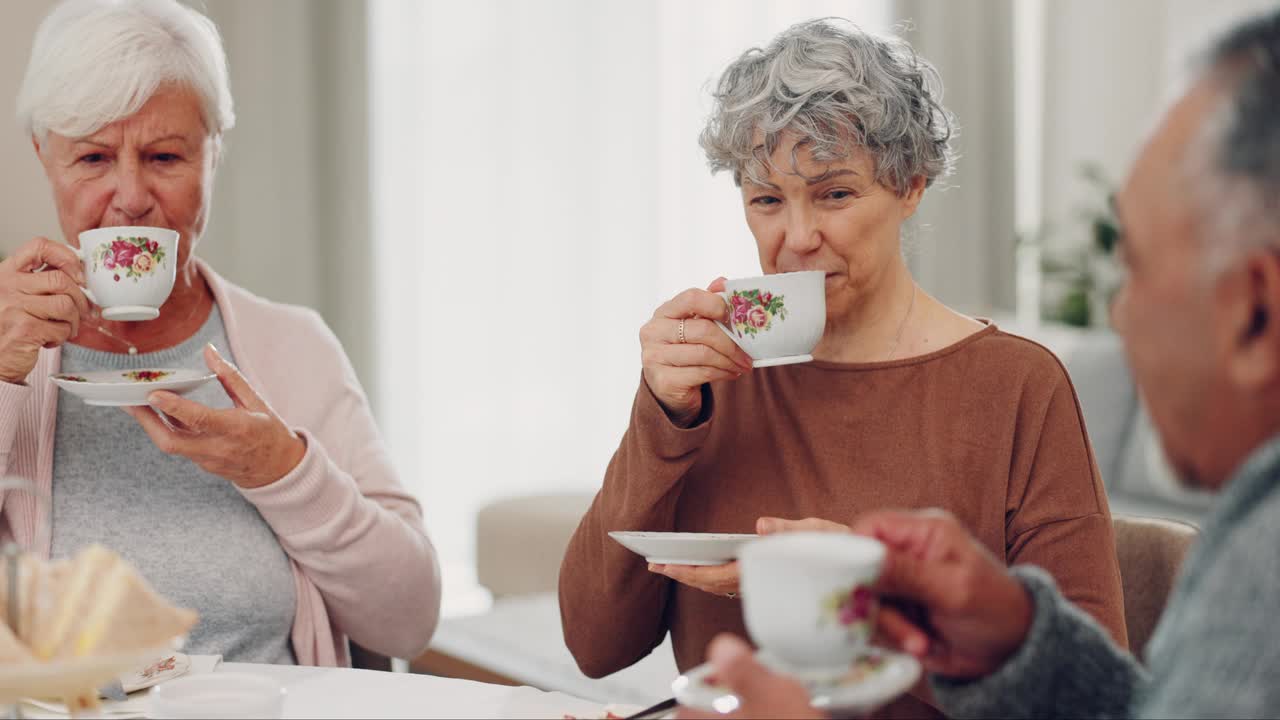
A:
362,659
1150,552
520,541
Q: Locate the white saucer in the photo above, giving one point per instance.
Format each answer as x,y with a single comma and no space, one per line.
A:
784,360
684,548
873,680
128,387
130,312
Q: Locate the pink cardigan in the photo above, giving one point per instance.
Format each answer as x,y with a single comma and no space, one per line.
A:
363,566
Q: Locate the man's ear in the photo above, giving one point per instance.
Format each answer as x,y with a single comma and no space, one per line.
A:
1250,317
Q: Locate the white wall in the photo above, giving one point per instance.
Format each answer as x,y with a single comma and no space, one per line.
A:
264,208
1188,24
26,209
1110,68
962,249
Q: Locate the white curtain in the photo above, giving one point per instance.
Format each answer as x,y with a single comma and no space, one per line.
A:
538,191
963,252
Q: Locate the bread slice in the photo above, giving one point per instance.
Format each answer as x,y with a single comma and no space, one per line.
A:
96,604
12,650
39,585
62,601
127,616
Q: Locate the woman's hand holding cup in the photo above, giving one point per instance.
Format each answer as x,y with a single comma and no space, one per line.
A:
38,309
682,349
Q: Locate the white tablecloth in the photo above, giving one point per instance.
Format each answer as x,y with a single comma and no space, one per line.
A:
520,638
345,693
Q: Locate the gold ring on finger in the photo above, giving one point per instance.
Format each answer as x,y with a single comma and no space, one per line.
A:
680,332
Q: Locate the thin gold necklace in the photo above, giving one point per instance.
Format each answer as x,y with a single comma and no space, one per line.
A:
903,325
133,349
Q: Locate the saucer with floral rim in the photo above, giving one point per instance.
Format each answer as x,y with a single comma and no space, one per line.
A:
121,388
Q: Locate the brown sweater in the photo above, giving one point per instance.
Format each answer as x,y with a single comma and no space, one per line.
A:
988,428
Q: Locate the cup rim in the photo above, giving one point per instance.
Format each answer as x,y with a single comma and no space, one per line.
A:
146,230
774,276
860,548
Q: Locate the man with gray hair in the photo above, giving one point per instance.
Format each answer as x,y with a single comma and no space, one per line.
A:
1200,316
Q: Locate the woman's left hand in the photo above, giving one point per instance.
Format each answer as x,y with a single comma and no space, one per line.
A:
248,444
719,580
773,525
723,579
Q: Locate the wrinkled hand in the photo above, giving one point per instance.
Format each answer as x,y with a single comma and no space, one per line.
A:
945,599
677,371
761,693
248,444
773,525
38,309
715,579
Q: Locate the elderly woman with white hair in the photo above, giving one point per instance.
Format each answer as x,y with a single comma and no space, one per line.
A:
833,135
265,501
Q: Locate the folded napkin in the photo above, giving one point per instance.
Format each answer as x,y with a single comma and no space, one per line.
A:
134,707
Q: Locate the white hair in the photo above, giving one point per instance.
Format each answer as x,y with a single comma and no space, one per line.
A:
94,62
1234,163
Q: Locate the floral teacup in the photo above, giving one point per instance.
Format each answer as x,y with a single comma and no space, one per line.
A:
130,270
807,598
777,319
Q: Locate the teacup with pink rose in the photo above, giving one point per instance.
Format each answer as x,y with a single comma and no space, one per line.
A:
130,270
777,319
808,600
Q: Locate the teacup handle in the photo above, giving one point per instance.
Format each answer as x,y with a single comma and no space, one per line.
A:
725,329
87,292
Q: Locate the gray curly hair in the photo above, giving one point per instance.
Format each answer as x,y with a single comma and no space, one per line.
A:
836,87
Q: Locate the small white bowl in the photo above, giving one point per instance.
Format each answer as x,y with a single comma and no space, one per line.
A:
218,695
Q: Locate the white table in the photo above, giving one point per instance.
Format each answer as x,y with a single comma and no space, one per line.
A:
345,693
521,639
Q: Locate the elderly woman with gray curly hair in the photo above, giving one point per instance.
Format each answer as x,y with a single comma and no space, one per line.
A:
833,135
266,501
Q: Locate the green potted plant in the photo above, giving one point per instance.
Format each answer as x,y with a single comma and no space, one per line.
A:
1083,276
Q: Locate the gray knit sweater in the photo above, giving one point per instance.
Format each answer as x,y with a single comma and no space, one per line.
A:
1216,652
191,534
